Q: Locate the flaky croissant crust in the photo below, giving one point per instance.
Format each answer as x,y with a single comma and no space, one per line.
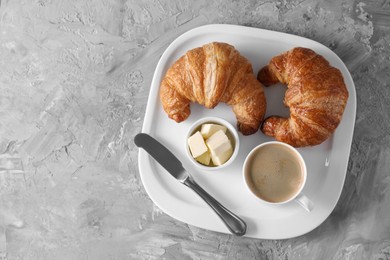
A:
208,75
316,95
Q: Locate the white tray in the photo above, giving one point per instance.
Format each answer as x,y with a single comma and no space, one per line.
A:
326,163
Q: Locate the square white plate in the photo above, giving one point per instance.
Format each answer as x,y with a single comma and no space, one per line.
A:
326,163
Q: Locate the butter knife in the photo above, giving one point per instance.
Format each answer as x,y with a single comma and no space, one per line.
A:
169,161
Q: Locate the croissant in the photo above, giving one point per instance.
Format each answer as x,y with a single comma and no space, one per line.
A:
208,75
316,96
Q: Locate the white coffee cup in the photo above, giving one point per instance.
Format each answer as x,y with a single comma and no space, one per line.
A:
275,174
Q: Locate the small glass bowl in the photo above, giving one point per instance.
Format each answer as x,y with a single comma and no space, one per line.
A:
231,133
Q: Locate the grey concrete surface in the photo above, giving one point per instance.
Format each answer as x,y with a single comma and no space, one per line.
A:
74,82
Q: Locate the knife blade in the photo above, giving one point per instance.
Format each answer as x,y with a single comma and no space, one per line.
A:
173,165
162,155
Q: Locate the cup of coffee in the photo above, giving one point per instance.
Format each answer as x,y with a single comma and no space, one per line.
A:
275,173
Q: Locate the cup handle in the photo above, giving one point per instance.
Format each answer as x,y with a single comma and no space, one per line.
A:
305,202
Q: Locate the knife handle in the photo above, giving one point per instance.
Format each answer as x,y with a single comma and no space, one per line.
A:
235,224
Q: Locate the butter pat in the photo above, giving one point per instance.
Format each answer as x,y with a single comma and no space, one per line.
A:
204,158
220,147
197,145
208,130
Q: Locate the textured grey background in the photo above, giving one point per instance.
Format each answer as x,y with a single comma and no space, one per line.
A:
74,82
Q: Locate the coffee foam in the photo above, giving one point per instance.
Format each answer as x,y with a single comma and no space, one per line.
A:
275,173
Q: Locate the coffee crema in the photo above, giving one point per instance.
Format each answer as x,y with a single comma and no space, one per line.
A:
275,173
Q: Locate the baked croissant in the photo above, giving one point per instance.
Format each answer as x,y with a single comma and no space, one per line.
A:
208,75
316,96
